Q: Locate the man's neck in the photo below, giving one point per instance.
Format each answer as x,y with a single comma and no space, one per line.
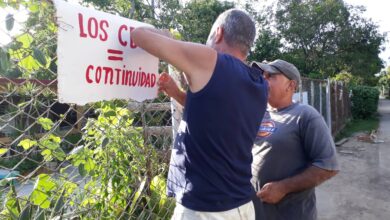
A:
232,51
281,105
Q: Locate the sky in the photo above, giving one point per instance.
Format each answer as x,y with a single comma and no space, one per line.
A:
377,10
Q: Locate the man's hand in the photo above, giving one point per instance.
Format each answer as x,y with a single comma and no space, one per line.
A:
167,85
272,192
313,176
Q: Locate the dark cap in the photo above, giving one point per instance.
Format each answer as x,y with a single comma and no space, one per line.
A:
280,66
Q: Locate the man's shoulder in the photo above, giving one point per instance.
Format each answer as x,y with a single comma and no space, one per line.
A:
225,58
306,110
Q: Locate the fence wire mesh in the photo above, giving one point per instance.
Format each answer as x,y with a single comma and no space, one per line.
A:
330,98
106,160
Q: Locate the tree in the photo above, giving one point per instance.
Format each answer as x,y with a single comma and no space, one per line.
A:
198,16
33,53
324,37
160,13
267,47
384,81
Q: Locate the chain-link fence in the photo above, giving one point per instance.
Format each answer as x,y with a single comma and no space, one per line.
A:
106,160
330,98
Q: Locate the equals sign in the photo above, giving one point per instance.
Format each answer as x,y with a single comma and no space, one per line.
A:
116,54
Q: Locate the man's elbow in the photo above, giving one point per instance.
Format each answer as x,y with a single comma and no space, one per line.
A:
329,174
333,173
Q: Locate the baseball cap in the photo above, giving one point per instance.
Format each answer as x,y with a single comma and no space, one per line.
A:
280,66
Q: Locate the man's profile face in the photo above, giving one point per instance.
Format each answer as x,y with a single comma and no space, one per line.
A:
278,86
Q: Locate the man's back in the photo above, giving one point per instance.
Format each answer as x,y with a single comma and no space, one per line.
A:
208,172
210,163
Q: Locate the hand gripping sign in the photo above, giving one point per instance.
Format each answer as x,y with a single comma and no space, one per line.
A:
97,59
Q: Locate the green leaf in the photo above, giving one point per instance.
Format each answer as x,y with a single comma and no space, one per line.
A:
137,196
47,155
55,138
44,183
8,180
39,214
4,60
3,151
89,165
26,213
12,204
9,21
59,204
59,154
27,144
46,123
29,63
40,199
22,104
105,142
82,170
158,185
16,45
69,187
40,195
175,34
25,39
47,143
88,201
34,7
38,55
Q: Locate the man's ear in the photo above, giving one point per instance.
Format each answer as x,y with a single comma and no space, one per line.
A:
293,85
219,35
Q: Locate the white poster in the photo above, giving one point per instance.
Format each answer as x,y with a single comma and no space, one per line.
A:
97,59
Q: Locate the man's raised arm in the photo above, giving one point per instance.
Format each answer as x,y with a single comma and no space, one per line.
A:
197,61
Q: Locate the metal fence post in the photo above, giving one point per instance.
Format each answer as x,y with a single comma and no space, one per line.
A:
176,108
321,97
312,93
300,92
328,106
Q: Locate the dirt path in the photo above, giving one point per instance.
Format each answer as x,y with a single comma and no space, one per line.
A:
361,191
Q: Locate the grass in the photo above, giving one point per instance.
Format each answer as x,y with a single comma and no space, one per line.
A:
358,125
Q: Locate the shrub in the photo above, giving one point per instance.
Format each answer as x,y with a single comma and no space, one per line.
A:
364,101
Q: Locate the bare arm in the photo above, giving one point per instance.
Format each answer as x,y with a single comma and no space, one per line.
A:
180,97
313,176
196,60
167,85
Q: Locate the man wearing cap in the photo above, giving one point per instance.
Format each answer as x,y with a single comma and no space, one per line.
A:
294,150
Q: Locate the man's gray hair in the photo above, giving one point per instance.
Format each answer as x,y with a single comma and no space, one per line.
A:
239,29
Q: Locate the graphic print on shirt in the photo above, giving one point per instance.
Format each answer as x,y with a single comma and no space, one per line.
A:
267,128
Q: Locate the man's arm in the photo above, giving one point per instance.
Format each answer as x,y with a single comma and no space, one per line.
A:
167,85
313,176
196,60
181,98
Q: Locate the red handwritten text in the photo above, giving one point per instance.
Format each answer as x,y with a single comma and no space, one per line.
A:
117,76
95,28
121,32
